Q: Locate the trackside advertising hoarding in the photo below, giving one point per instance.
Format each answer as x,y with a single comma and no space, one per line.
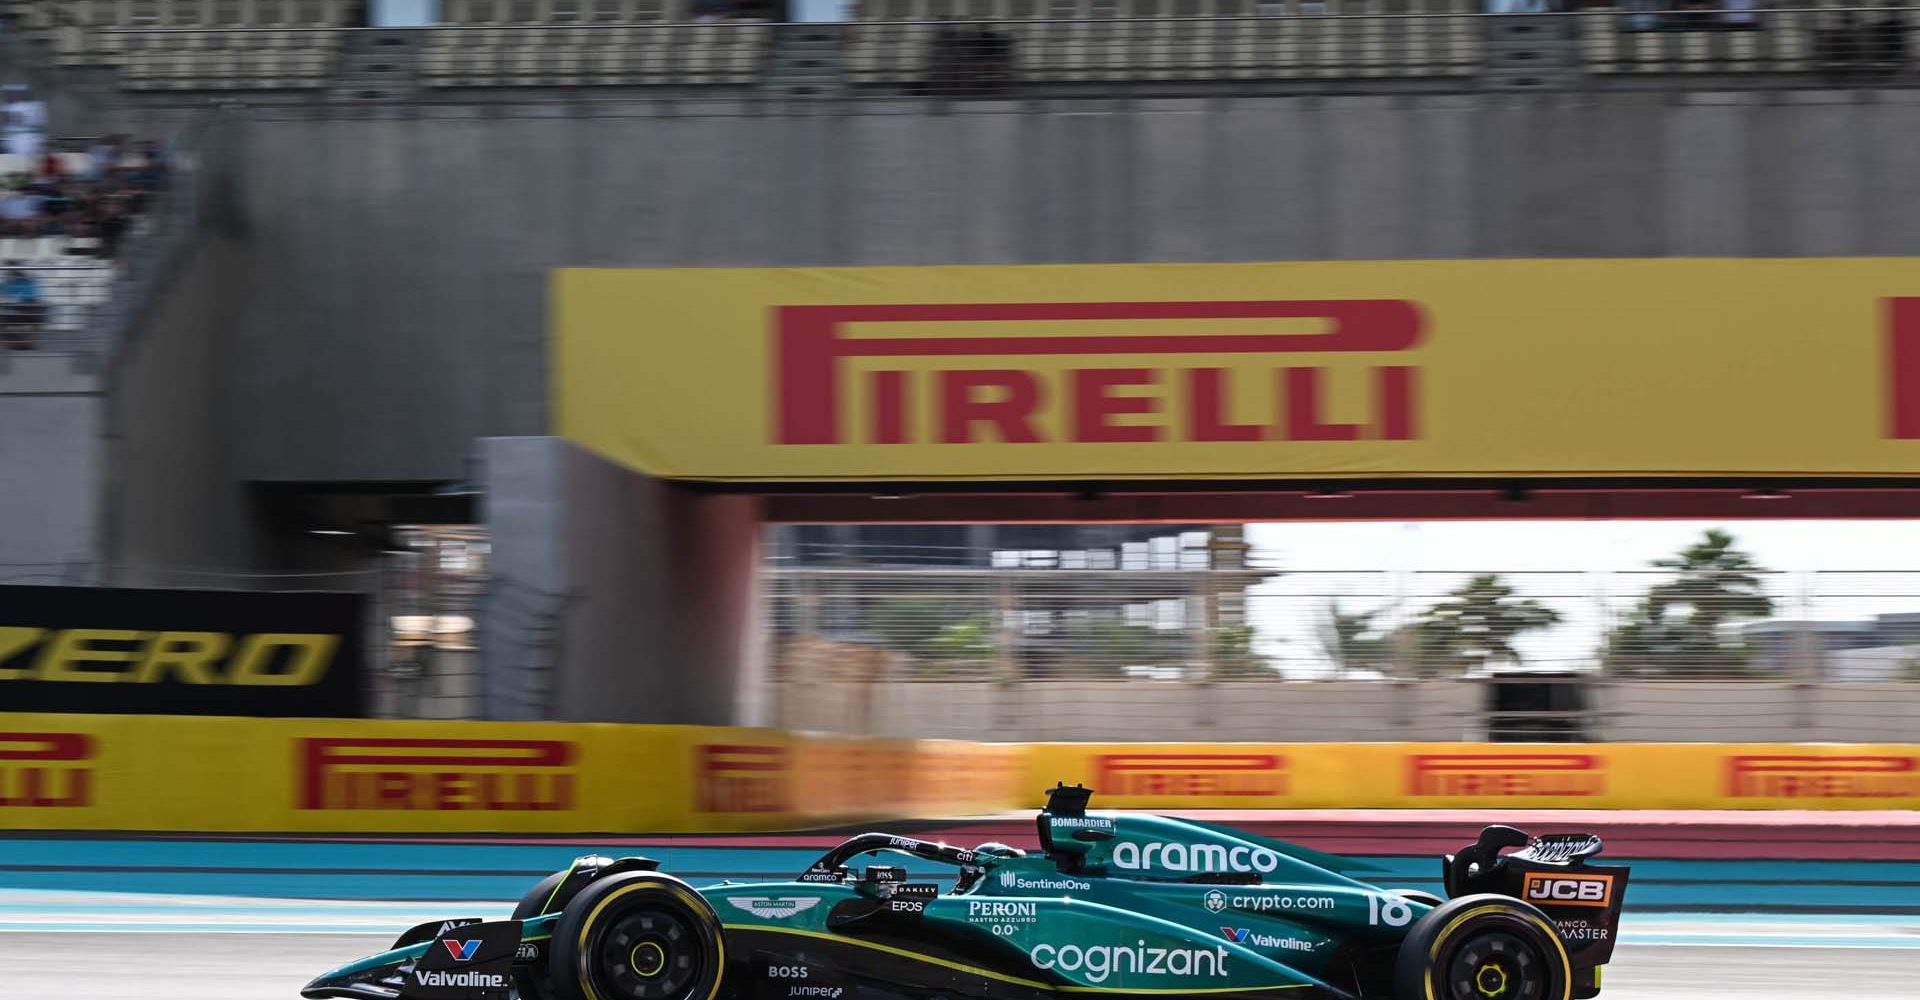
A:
133,772
1571,368
85,772
181,652
1479,775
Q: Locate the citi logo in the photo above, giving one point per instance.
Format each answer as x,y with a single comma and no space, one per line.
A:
462,950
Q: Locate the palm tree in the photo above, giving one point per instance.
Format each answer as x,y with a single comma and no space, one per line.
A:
1473,627
1349,641
1678,629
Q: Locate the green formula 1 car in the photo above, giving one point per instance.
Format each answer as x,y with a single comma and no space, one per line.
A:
1124,904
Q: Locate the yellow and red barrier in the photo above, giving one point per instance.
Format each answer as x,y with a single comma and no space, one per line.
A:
1477,775
126,772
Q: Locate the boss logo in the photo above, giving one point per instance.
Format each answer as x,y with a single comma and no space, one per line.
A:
787,971
1568,890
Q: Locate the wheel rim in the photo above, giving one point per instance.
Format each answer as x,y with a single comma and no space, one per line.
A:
1496,965
647,953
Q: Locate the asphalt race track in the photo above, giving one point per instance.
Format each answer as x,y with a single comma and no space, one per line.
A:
139,966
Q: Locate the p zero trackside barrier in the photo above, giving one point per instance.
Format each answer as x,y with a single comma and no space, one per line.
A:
81,772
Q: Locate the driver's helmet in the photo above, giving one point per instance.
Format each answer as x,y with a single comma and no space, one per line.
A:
994,848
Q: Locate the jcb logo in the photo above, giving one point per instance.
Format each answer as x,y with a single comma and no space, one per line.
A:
1568,890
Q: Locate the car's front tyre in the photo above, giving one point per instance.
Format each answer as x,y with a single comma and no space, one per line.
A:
637,936
532,982
1483,947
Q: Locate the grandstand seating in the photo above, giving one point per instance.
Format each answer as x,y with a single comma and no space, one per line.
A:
288,44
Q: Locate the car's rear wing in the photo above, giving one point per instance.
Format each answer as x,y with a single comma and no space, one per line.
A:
1551,872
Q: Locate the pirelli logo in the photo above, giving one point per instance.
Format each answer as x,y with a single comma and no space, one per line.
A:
1561,889
1473,775
1198,775
740,778
483,775
1787,776
46,770
1134,372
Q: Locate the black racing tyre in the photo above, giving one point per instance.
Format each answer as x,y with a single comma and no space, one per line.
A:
637,936
532,982
1483,947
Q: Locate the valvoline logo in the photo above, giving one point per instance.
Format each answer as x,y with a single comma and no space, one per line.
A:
1238,935
462,951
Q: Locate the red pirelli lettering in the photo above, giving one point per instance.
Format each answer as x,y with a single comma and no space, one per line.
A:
997,403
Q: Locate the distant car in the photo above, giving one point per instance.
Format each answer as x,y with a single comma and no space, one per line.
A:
1113,904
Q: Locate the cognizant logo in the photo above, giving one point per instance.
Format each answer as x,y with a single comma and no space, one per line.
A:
1194,857
1098,961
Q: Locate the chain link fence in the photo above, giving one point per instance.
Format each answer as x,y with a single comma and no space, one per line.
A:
1118,648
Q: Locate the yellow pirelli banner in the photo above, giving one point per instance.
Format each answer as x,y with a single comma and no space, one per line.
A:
124,772
1573,368
1484,775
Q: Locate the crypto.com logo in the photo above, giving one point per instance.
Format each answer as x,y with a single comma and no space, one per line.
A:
1182,398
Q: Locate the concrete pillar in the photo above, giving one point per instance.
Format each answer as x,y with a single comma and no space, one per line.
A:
652,589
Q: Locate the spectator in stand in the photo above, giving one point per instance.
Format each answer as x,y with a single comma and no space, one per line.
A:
26,122
20,212
22,309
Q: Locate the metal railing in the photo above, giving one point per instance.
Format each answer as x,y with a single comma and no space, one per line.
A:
1265,653
1310,46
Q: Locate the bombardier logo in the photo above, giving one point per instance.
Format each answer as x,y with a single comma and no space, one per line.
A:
1554,889
464,979
1194,857
972,394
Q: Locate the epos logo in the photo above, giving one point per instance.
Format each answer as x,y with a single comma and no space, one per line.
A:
928,374
45,770
490,775
1195,774
1505,774
1811,777
1553,888
739,778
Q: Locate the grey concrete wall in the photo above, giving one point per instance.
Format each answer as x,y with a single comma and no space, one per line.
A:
401,255
652,593
51,464
1273,711
174,501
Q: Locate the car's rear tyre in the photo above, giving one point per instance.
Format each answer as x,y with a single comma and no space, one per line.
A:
532,981
1483,947
637,936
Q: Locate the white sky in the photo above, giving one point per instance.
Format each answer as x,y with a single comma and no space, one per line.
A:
1407,564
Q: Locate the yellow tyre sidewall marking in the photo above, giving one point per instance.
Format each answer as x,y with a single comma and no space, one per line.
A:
1440,940
693,902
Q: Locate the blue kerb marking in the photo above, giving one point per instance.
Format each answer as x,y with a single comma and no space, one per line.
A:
424,871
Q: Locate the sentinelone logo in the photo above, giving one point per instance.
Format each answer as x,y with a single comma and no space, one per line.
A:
740,778
502,775
45,770
1505,774
976,400
1808,777
1197,774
